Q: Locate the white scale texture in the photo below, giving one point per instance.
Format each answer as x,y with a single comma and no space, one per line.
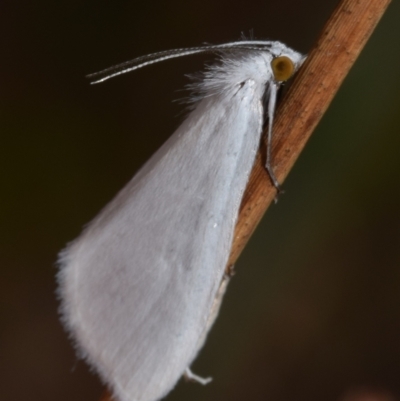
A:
138,285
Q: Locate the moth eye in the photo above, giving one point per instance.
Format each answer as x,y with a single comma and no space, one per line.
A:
282,67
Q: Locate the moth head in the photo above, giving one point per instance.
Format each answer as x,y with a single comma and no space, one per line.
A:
283,68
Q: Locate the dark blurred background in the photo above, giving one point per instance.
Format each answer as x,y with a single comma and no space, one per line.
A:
313,312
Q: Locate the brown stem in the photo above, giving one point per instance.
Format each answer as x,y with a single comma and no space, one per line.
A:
341,41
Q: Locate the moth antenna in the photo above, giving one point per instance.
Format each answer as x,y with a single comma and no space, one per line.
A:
157,57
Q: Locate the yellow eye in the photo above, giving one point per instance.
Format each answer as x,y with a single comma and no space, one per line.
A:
282,67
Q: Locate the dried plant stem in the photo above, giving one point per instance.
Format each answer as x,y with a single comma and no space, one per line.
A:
341,41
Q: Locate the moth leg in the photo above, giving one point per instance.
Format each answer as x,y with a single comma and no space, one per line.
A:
230,271
271,174
190,376
269,168
273,91
268,163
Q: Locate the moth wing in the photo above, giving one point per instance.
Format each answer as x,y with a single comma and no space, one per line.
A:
138,285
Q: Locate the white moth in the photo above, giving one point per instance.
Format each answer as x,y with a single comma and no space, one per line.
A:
141,286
